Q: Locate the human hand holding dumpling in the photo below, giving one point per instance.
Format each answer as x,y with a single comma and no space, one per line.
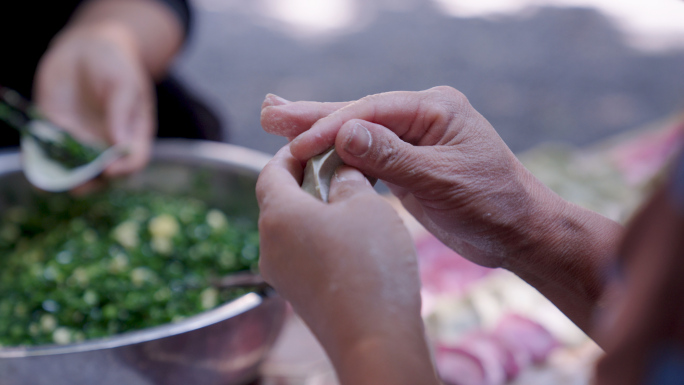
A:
452,171
349,269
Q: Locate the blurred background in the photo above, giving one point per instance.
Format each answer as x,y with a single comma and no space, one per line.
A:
574,71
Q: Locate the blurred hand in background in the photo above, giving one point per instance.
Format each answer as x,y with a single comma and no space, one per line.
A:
97,77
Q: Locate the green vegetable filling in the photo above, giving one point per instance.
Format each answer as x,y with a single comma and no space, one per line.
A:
73,269
68,151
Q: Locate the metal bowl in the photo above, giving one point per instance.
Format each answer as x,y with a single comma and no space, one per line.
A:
222,346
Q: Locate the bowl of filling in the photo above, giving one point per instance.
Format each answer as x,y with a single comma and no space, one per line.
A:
127,285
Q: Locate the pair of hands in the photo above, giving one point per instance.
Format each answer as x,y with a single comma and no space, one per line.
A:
452,171
344,265
442,159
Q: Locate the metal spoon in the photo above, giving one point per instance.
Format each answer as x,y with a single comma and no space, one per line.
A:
49,174
53,160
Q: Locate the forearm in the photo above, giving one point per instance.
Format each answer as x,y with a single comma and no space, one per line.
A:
388,357
567,257
374,340
155,32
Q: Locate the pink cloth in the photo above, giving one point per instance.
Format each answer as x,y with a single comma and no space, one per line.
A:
495,357
442,270
641,158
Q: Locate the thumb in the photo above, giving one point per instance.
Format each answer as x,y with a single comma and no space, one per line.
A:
379,152
347,182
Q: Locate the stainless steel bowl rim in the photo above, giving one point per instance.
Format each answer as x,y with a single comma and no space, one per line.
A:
197,151
170,149
223,312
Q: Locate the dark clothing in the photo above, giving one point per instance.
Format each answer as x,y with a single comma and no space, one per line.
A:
28,26
181,115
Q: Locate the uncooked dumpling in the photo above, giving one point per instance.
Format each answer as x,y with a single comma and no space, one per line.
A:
319,171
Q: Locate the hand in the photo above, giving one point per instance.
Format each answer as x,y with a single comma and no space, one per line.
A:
348,268
459,179
93,83
437,154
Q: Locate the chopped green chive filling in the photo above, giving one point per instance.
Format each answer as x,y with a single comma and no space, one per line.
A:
79,268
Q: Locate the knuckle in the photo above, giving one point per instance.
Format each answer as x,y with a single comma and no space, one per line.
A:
450,99
269,222
387,155
369,98
275,221
345,189
442,90
444,105
262,188
260,193
447,92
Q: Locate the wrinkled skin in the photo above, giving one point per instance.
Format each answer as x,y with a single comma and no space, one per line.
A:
458,178
452,171
444,161
348,268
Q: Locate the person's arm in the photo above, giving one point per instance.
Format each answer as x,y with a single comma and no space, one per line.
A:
569,256
643,322
96,79
458,178
349,269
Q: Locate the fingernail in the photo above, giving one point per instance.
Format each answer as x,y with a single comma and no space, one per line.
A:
346,173
275,100
359,141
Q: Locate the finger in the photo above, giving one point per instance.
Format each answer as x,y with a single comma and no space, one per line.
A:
279,183
347,182
292,118
272,100
138,151
408,114
130,119
379,152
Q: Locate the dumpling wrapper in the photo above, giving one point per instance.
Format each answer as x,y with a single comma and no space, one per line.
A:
319,171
